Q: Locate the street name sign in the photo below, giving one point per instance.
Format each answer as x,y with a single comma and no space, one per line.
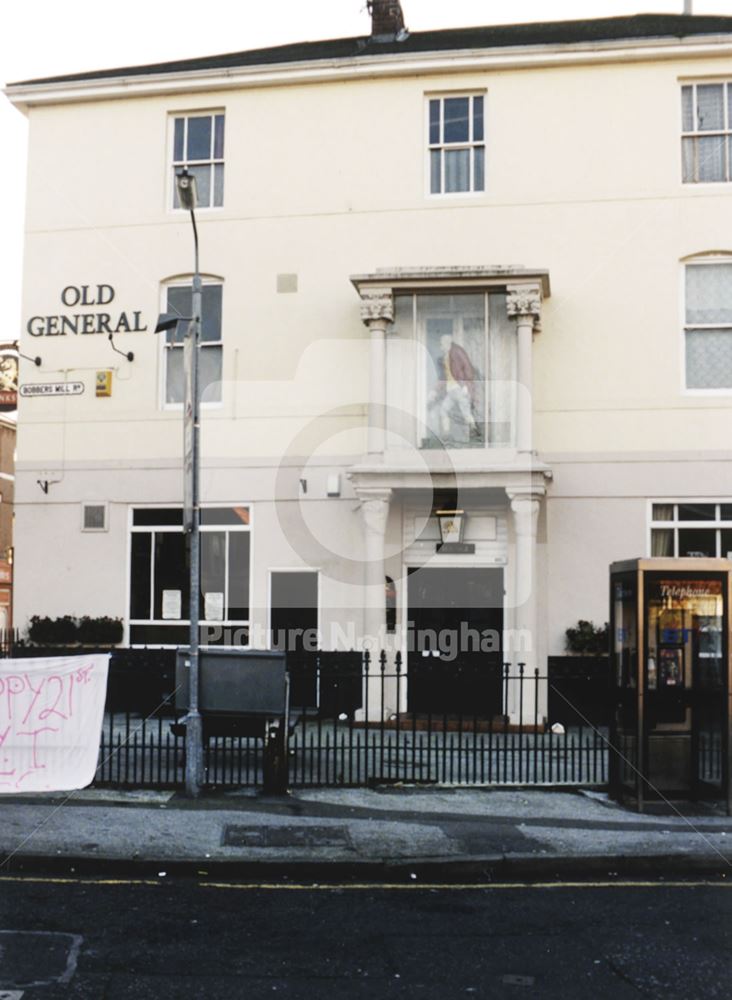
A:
52,389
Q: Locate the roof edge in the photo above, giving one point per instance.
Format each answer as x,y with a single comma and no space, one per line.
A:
24,96
578,31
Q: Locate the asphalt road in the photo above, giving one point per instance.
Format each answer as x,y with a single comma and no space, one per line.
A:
108,940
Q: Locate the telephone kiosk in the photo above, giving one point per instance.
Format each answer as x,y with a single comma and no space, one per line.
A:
672,679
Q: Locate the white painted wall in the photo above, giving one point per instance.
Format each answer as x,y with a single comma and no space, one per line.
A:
325,181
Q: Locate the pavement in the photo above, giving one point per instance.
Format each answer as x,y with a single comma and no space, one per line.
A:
400,833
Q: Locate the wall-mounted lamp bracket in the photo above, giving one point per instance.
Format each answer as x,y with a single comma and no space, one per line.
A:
36,360
12,345
125,354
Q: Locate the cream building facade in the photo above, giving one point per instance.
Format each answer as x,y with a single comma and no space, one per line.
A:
486,270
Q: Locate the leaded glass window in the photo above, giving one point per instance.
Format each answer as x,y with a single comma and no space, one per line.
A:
708,325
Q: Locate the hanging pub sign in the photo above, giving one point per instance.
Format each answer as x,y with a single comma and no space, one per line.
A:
87,309
8,383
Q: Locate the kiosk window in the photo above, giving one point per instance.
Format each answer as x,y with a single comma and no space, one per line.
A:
625,640
684,632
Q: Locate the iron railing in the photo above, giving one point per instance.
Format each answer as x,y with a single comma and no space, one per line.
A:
356,722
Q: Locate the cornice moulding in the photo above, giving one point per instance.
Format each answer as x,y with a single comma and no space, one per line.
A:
435,278
26,95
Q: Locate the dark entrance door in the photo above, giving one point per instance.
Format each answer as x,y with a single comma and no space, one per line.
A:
294,627
455,657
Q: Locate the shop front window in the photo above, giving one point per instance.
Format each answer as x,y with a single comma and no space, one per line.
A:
160,581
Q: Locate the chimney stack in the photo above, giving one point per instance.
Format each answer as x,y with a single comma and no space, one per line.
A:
387,19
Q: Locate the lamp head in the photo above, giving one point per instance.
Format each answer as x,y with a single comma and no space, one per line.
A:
166,321
187,192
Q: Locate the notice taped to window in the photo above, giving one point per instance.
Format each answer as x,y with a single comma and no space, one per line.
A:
172,605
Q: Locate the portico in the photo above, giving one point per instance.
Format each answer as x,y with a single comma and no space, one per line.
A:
451,421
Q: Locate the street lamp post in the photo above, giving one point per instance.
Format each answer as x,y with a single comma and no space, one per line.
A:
191,511
186,186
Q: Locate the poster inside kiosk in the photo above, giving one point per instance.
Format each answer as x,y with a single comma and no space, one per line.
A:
52,389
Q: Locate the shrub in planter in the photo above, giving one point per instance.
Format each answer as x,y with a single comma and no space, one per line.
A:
53,631
67,631
587,639
103,631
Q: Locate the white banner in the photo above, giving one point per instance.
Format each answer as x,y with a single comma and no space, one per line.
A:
51,713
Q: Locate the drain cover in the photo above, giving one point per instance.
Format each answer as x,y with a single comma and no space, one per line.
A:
286,836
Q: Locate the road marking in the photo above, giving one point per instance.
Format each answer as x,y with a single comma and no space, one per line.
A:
375,886
56,951
460,887
79,880
11,994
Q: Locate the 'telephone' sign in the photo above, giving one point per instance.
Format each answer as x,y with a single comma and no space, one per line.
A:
95,320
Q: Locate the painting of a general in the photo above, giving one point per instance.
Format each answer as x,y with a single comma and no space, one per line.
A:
453,400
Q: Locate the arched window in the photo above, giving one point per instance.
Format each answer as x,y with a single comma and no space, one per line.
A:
708,322
177,299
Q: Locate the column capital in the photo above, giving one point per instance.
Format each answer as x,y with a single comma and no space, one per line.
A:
375,502
377,306
532,493
526,501
524,302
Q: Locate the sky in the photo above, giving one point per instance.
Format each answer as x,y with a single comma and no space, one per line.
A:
50,37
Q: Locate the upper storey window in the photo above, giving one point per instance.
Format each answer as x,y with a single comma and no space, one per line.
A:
708,325
456,144
198,144
706,142
464,367
179,300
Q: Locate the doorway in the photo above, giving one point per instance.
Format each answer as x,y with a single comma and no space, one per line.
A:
293,623
455,654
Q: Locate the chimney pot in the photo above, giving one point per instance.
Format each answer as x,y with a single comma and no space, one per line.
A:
387,19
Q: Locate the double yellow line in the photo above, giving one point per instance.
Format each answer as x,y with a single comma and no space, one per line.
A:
377,886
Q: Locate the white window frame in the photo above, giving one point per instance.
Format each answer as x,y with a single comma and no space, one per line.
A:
471,144
184,281
718,524
178,529
417,335
175,165
696,133
699,260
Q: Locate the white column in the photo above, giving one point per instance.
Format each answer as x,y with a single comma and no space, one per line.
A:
526,699
375,512
377,312
523,303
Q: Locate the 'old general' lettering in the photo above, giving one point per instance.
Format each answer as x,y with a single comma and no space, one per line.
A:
78,323
84,323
